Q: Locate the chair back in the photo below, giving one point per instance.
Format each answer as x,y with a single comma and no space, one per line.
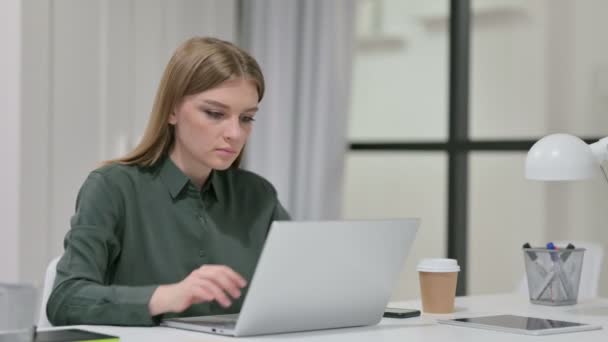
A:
49,280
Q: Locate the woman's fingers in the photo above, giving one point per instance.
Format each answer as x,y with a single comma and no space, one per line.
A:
235,277
216,292
205,284
224,277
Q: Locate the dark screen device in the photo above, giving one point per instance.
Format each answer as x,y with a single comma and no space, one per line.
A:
521,324
401,313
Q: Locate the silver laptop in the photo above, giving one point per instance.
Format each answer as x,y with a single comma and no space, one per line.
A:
317,275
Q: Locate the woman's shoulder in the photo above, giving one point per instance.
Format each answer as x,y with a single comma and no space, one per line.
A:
118,173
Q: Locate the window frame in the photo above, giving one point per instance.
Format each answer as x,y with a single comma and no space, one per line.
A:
458,146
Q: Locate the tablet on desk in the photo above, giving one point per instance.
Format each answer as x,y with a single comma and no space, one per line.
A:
521,324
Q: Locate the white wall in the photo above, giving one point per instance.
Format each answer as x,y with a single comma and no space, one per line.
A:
89,71
10,38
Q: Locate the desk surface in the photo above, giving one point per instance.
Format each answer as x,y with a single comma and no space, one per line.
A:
422,328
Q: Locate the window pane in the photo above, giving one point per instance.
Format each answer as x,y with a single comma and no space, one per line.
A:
538,66
390,185
507,210
399,88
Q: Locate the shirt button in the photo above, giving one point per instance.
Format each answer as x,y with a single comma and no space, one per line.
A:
201,253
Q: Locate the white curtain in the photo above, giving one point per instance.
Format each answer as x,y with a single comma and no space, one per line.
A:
299,139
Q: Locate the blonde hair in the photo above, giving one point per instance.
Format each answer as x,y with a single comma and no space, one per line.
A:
197,65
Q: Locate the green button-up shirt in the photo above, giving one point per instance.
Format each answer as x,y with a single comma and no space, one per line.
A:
137,228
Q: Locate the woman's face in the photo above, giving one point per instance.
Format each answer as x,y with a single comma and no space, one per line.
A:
212,127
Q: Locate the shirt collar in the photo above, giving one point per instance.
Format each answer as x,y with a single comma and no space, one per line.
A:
173,177
175,180
213,185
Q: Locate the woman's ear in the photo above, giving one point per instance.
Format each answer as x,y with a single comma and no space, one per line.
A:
172,118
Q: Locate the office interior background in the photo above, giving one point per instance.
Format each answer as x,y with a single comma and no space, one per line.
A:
355,124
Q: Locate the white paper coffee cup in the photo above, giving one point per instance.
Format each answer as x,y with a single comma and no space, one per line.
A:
438,265
438,279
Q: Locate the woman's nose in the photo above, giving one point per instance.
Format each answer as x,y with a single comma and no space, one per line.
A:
233,130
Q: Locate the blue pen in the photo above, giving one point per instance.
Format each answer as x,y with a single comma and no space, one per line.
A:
564,256
558,269
552,247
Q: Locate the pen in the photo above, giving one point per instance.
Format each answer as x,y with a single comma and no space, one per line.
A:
540,270
534,257
557,267
530,253
547,280
566,255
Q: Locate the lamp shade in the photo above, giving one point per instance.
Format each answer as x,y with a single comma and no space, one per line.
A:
560,157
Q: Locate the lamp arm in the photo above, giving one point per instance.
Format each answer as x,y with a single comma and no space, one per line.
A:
605,172
600,149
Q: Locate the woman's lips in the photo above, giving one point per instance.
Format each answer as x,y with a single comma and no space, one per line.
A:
225,152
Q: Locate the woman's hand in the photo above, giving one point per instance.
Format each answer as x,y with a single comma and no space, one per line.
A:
205,284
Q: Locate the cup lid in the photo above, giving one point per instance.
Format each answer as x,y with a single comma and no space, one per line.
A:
438,265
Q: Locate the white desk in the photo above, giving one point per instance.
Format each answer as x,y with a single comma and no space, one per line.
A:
419,329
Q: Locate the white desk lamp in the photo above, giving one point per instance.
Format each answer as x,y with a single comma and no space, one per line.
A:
565,157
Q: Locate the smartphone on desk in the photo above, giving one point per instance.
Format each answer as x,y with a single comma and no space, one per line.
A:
401,313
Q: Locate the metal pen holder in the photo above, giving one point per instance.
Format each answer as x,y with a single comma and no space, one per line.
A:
553,275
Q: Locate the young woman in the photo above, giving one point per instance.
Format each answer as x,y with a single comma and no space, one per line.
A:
174,228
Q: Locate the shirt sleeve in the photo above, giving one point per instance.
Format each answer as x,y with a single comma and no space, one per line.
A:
82,292
280,213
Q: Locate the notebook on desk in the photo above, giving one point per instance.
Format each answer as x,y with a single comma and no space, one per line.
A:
317,275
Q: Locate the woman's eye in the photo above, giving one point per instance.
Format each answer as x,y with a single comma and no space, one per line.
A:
247,119
214,115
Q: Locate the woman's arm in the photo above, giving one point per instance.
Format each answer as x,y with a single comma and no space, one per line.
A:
81,293
280,213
